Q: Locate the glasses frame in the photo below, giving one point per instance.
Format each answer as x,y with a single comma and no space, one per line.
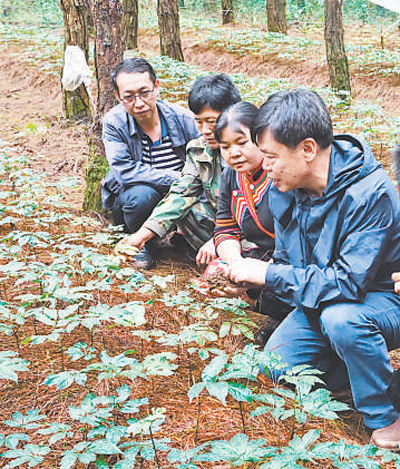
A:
131,100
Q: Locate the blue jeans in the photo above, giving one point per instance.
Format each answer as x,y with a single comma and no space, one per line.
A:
348,336
134,205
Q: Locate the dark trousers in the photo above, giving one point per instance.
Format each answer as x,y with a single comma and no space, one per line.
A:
134,205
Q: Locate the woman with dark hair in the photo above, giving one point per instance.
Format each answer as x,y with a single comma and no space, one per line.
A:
243,209
244,226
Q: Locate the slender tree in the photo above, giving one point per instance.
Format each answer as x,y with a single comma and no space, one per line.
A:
107,19
168,25
77,18
227,11
276,16
335,50
130,23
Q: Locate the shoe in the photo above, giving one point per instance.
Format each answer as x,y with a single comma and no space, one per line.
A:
387,437
144,259
262,336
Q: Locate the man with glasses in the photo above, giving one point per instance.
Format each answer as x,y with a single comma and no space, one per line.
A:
145,141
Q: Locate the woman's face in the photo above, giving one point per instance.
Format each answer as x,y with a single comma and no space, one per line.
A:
239,151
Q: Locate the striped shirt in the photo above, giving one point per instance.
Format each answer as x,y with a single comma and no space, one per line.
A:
160,154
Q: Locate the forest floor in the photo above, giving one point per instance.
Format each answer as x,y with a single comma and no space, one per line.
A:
31,123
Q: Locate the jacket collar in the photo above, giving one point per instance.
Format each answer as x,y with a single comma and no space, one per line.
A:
171,121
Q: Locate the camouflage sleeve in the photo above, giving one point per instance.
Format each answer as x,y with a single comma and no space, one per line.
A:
183,194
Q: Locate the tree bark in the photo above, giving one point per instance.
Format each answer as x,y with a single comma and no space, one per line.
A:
335,50
77,18
168,25
276,16
107,15
130,23
227,11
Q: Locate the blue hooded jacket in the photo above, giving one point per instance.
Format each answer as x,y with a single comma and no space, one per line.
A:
338,247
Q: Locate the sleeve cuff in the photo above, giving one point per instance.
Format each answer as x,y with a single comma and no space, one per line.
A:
155,227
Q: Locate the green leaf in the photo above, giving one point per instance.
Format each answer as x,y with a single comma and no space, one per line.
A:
12,441
240,392
195,390
28,422
68,460
10,364
218,390
65,379
104,447
31,454
224,329
240,449
133,405
158,364
217,364
101,463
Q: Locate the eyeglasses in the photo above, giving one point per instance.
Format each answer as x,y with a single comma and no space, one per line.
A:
143,95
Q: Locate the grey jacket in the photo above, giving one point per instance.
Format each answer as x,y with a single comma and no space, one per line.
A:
123,147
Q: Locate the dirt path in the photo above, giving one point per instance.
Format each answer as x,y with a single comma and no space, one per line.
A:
31,123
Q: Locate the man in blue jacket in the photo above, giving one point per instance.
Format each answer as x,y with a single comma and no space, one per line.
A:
337,228
145,142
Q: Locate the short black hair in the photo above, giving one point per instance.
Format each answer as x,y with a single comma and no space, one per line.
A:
132,65
215,91
241,114
294,115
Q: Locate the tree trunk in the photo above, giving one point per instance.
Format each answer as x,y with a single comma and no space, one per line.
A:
227,11
335,50
276,16
130,23
168,24
77,18
107,18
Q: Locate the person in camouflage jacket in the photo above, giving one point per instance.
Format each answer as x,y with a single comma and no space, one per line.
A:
191,202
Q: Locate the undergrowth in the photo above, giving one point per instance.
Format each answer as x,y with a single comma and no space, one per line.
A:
99,360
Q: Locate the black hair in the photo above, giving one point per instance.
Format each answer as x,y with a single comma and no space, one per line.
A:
215,91
236,116
132,65
294,115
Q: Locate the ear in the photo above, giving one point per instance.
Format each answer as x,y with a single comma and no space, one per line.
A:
117,96
157,87
310,149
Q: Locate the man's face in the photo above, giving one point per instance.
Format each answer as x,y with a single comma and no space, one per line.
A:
286,166
138,94
206,121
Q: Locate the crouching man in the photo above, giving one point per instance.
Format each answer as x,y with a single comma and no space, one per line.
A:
337,228
145,141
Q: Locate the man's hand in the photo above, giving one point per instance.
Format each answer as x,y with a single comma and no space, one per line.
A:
396,280
206,253
139,238
250,271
